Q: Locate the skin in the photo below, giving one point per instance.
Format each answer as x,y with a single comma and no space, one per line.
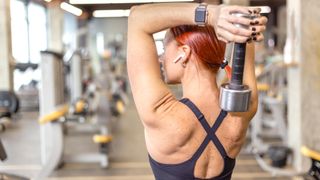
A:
172,132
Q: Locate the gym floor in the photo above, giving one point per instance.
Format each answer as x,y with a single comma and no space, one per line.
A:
128,155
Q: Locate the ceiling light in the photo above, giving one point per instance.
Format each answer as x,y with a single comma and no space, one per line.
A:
121,1
111,13
47,0
71,9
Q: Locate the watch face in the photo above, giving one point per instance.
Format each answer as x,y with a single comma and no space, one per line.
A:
200,15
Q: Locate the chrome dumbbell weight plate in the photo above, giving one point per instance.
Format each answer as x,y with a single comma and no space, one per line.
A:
234,100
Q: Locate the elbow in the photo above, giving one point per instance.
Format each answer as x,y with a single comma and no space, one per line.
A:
134,11
135,18
253,106
138,19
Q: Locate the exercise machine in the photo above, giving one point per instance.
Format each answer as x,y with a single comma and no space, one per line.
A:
56,114
9,105
314,156
26,85
268,129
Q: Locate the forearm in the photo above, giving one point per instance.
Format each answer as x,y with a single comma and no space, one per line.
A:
153,18
249,76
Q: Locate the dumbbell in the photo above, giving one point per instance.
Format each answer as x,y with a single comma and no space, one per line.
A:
235,96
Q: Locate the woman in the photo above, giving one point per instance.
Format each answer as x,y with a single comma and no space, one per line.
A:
179,138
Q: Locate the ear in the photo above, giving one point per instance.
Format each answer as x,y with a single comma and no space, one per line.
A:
186,50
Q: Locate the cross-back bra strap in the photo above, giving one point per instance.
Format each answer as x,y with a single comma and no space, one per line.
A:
193,108
218,144
210,131
197,113
214,137
219,120
203,122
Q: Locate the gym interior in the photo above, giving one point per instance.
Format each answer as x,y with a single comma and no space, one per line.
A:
67,112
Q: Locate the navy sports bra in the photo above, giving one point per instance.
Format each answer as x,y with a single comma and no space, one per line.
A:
185,170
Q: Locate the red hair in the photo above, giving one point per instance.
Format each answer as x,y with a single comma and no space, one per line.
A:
202,41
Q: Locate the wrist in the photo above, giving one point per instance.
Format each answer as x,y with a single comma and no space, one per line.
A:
213,11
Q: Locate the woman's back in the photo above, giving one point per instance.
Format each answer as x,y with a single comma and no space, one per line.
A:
181,143
182,140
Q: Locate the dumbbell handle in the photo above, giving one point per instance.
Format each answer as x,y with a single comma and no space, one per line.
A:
239,54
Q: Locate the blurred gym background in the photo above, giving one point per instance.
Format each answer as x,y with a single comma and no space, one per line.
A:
66,110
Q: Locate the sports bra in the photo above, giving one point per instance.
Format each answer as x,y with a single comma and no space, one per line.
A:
185,170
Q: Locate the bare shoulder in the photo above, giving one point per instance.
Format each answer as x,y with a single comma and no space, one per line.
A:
168,112
171,134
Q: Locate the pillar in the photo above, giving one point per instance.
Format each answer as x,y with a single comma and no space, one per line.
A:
55,27
6,75
302,47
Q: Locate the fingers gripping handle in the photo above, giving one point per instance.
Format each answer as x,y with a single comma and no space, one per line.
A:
239,54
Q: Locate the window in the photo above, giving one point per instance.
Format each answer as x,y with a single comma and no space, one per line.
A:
29,31
19,31
29,37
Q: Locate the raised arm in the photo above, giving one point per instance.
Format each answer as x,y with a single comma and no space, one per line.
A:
150,93
249,78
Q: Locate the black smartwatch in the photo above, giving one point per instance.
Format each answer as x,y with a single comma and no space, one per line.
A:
200,16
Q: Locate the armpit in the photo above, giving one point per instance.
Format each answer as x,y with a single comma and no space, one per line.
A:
165,104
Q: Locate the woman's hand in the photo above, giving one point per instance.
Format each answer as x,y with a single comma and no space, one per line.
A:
223,21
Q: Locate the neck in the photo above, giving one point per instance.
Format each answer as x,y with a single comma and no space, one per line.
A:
199,82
